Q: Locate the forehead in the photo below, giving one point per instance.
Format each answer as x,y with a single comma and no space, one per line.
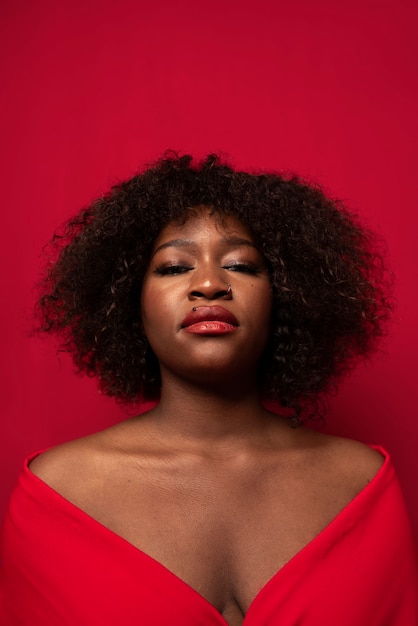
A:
203,222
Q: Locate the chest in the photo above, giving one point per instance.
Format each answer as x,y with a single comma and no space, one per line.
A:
225,534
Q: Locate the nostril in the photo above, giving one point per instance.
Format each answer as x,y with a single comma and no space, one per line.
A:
222,293
211,289
198,294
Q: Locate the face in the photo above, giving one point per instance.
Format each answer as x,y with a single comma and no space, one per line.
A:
206,300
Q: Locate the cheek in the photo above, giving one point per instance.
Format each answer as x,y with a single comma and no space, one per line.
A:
158,310
260,309
261,304
149,311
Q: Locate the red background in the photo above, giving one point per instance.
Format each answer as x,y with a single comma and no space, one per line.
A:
91,90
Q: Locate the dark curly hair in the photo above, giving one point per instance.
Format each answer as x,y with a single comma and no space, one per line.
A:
329,284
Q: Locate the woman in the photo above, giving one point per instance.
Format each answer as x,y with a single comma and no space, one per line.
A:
213,292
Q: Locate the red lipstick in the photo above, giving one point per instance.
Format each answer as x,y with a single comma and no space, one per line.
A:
209,320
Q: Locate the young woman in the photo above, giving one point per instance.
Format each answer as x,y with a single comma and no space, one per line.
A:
213,292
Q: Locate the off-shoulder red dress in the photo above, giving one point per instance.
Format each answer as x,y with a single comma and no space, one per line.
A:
60,567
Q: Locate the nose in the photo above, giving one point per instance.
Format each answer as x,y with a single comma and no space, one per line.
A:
209,286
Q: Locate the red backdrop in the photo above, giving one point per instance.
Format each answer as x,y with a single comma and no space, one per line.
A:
93,89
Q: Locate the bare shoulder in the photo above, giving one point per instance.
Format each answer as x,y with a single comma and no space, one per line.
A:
60,465
350,461
79,466
356,454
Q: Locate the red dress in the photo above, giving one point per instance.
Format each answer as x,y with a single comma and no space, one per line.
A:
60,567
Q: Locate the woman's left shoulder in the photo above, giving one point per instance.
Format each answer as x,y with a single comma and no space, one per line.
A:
353,459
349,450
344,460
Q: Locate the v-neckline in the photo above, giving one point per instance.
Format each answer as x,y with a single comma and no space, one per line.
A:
310,545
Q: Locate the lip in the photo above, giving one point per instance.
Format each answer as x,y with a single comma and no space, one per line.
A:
203,314
209,320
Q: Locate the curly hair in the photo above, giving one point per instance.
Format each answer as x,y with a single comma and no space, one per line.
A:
329,283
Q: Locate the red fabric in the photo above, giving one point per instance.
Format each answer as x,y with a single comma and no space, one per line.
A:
60,566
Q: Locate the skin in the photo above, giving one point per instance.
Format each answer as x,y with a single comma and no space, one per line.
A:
209,483
192,266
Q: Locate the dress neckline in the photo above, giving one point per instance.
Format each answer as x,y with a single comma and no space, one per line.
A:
339,520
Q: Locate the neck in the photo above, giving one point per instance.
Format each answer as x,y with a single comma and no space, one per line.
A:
208,414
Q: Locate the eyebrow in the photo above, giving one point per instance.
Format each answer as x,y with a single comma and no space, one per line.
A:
190,243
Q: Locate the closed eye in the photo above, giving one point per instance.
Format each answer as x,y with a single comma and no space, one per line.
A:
246,268
172,270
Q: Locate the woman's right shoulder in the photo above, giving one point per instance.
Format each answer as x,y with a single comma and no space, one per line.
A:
58,466
82,460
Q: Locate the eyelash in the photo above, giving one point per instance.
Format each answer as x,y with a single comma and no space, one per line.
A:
246,268
174,270
171,270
